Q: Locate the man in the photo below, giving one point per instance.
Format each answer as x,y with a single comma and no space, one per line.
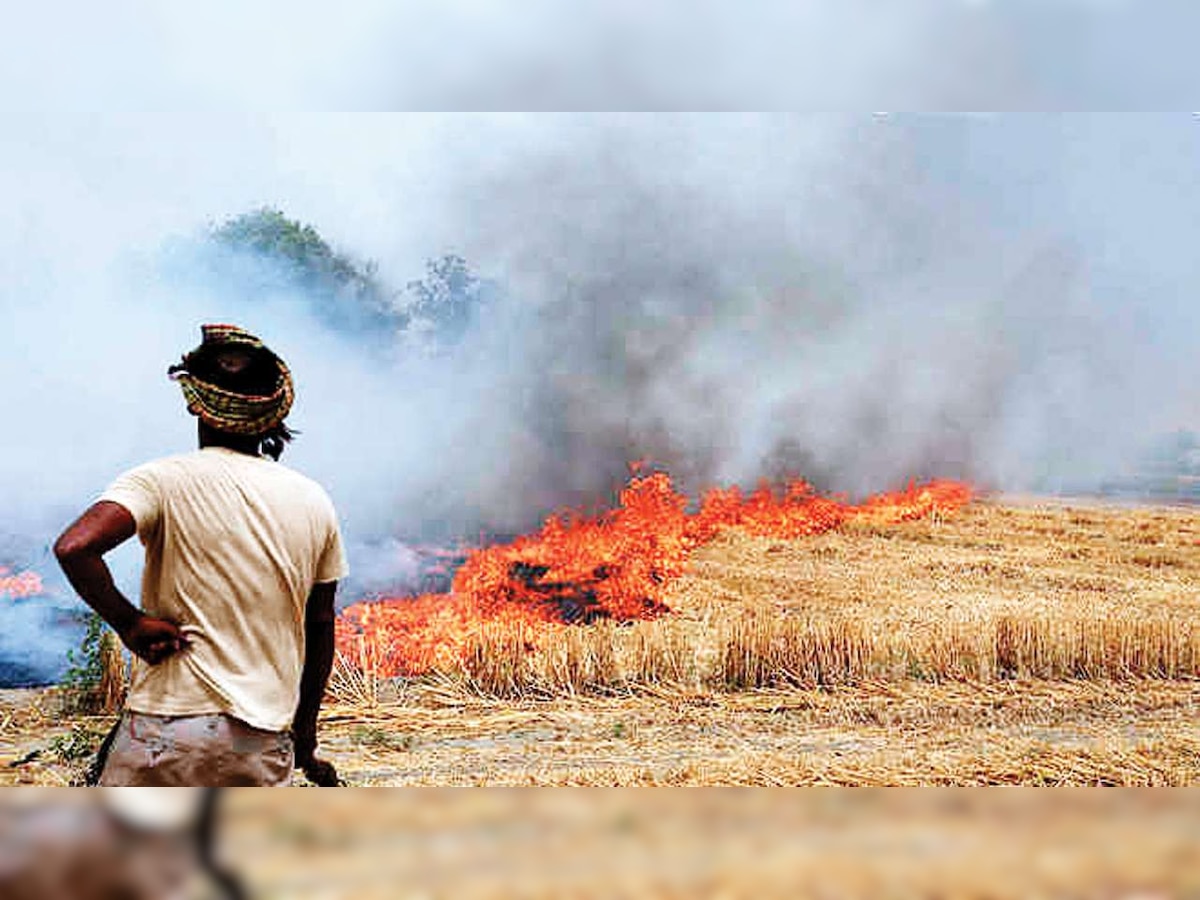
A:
234,641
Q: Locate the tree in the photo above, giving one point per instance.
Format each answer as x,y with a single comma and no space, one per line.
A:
343,292
444,303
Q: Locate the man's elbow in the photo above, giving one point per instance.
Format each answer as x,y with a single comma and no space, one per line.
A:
73,547
101,528
69,547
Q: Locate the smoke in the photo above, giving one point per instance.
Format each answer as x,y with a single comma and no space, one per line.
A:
858,299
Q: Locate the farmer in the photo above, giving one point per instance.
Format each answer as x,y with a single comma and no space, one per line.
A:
234,639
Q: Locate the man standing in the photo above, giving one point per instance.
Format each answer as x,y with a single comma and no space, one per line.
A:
234,641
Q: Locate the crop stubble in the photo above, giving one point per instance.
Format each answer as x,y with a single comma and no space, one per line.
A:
1015,642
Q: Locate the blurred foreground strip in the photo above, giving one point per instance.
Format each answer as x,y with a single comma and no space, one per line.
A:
369,843
56,844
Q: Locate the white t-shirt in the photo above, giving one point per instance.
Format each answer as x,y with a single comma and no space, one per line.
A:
234,545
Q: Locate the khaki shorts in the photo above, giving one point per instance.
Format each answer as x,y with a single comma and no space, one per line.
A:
196,751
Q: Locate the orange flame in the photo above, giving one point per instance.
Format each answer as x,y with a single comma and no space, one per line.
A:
21,584
617,566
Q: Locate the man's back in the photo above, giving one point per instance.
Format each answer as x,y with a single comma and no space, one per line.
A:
234,640
234,544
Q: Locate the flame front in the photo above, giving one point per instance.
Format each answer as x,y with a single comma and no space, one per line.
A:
20,584
617,566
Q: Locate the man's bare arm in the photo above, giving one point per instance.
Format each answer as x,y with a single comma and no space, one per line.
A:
80,551
319,620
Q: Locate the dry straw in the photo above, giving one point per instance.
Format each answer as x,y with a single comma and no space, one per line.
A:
357,681
770,649
113,675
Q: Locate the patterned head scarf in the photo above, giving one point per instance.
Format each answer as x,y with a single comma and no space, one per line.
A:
225,352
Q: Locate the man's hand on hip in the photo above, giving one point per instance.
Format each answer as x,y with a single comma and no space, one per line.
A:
154,640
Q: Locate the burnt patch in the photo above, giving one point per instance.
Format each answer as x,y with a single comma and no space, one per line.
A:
574,602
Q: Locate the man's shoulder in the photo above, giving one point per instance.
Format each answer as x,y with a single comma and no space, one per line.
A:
304,486
182,469
176,462
299,478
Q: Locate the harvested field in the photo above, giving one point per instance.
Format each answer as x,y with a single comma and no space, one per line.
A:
1012,643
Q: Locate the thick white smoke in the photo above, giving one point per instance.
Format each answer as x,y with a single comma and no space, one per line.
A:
861,300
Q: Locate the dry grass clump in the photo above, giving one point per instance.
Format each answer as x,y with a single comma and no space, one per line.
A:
658,654
759,650
114,675
769,651
496,663
576,661
1123,646
358,680
354,682
505,661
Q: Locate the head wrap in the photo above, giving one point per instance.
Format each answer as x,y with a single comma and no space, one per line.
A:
226,410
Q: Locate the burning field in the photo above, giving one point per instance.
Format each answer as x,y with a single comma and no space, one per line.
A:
915,639
617,568
919,637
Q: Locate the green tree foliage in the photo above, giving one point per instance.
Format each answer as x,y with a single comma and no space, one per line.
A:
435,310
85,668
344,292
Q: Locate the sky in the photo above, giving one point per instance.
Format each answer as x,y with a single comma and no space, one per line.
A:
701,54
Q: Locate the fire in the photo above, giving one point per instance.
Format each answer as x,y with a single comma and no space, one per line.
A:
20,584
617,566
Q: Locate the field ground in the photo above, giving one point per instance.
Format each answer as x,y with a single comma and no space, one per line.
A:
1017,642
